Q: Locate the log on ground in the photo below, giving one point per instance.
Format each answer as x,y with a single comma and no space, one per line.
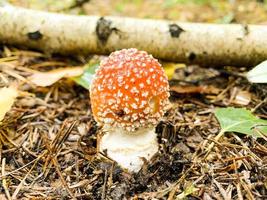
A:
205,44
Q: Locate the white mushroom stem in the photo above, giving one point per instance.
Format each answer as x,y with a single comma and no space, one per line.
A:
129,149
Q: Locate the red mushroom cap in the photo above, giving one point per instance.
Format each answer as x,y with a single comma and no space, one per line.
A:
130,90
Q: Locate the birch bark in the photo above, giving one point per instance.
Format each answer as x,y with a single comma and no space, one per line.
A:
205,44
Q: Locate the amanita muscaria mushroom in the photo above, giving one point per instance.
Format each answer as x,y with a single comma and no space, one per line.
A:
129,95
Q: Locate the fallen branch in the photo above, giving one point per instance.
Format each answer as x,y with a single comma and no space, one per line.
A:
206,44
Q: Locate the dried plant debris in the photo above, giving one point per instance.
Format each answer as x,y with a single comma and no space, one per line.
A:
49,140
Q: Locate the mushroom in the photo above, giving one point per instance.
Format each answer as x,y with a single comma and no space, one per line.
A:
129,95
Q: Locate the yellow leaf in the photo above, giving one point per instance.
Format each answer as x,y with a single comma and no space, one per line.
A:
48,78
7,98
170,68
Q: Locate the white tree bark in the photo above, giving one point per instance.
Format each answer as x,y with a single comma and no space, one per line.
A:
206,44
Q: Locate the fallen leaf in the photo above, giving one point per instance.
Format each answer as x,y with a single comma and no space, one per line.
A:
240,120
242,98
8,96
86,78
195,89
258,74
170,68
49,78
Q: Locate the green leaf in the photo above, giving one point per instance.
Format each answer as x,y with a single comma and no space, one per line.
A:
240,120
258,74
188,190
86,78
227,19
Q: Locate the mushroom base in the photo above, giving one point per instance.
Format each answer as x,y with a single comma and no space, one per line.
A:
129,149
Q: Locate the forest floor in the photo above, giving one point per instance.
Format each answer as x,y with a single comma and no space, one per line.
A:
48,141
